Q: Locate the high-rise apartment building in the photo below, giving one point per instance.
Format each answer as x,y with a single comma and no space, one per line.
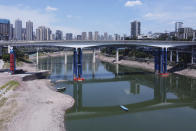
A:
84,36
52,36
59,35
41,33
18,30
135,29
185,33
69,36
105,36
178,25
194,35
29,30
116,37
4,29
110,37
79,37
90,35
11,36
96,37
48,34
24,32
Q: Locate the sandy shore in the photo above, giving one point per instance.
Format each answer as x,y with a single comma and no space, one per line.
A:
146,66
33,106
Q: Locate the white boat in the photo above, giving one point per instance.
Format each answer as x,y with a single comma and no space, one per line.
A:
61,89
124,108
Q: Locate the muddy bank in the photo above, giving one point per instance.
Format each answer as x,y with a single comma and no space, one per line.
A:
33,105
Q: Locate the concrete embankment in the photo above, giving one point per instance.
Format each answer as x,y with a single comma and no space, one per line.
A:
32,105
145,65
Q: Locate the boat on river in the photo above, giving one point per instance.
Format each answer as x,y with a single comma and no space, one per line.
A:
124,108
61,89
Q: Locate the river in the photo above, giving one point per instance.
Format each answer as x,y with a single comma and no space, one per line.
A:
154,103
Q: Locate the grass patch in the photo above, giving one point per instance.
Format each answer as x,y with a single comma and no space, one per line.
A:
10,85
7,64
3,101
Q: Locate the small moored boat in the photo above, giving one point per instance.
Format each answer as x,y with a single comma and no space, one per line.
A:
124,108
61,89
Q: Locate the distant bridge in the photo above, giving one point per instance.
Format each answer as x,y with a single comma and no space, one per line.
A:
160,50
84,44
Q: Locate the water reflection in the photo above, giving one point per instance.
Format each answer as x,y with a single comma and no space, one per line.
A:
108,86
177,97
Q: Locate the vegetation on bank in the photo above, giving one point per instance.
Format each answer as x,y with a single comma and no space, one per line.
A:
7,114
11,85
19,55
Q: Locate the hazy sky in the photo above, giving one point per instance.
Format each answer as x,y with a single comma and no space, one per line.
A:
113,16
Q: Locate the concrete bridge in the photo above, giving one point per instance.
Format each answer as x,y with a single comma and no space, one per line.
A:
160,49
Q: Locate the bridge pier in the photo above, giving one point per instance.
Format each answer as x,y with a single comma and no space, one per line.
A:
117,55
171,56
117,69
65,58
177,57
12,60
157,61
192,56
93,70
94,55
160,61
77,65
37,58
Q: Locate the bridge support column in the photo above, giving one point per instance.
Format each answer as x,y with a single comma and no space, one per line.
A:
12,60
77,65
80,65
163,71
93,70
160,60
192,57
171,56
177,57
94,59
37,60
117,55
65,58
117,69
165,61
157,61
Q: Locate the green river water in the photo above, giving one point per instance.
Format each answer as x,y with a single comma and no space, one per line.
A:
154,103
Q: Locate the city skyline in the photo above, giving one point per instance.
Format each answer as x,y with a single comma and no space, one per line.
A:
112,16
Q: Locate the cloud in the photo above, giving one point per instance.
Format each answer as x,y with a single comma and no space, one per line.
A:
69,16
25,13
49,9
38,17
133,3
155,15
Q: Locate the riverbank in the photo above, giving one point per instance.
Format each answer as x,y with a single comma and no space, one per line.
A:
146,66
61,53
32,105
